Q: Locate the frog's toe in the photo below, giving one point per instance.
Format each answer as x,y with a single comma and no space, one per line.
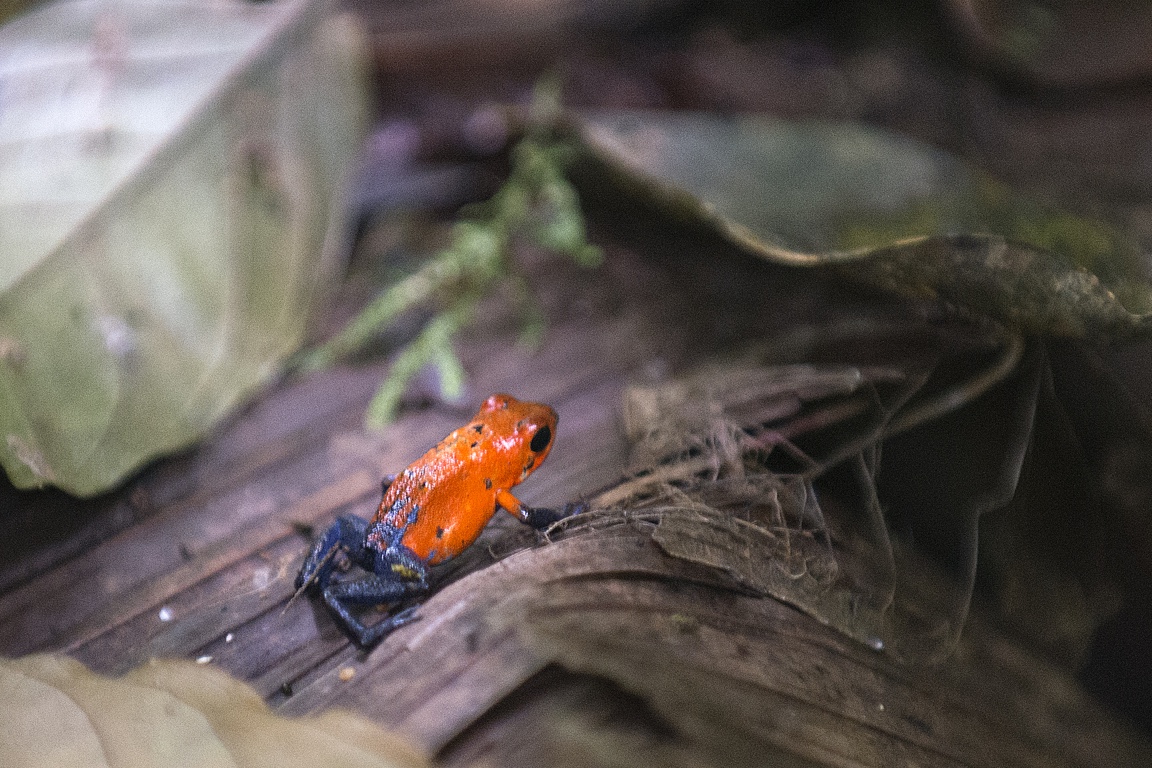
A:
406,616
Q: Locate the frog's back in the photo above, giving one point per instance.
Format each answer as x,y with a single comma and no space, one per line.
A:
439,505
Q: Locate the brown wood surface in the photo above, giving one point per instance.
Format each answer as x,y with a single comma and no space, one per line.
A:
594,649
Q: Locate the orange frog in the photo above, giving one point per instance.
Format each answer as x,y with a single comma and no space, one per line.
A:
432,511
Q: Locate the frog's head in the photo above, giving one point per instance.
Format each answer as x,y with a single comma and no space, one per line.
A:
525,428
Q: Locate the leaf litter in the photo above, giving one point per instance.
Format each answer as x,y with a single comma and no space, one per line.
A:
729,466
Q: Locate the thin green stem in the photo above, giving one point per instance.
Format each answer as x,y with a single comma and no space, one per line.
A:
536,204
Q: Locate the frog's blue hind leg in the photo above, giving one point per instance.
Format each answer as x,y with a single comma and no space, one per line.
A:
398,575
341,546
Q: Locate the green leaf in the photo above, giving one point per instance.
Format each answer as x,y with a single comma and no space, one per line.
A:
882,209
169,208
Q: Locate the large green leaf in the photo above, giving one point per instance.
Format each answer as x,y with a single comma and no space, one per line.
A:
169,178
882,209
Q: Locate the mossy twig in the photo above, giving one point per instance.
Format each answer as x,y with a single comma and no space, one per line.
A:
536,204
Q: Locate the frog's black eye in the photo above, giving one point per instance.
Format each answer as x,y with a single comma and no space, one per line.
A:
541,439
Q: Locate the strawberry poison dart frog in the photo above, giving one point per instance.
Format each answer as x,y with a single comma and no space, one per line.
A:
431,512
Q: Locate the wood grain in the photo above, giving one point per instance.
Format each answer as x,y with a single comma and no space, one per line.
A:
594,648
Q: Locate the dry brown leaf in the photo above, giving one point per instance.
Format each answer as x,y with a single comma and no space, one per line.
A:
170,713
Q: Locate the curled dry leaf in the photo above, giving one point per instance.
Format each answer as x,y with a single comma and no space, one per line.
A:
170,713
881,209
734,464
169,186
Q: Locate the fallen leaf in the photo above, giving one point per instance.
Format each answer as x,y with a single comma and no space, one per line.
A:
171,713
169,192
881,209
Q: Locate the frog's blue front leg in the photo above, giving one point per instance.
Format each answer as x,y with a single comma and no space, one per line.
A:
398,574
341,546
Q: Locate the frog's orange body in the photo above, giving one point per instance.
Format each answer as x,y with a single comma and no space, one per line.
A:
443,500
431,512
